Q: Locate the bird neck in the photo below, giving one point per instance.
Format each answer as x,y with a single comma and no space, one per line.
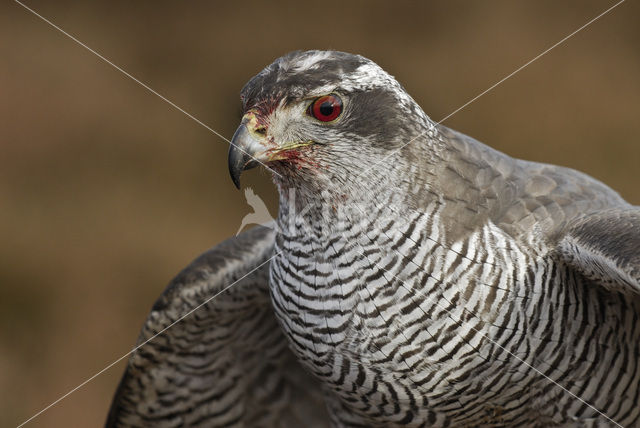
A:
331,211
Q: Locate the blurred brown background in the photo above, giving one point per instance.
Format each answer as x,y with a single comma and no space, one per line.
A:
106,191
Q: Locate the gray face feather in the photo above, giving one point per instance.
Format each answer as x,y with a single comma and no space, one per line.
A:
378,118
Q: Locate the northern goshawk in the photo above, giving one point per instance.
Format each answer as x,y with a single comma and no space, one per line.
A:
414,277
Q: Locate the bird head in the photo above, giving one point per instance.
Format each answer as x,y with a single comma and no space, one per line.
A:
321,119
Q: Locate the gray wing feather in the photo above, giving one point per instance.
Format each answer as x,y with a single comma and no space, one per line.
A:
226,364
594,229
605,247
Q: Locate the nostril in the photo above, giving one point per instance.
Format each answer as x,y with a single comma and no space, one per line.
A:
262,130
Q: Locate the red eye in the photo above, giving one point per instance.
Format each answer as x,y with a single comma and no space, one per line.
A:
326,108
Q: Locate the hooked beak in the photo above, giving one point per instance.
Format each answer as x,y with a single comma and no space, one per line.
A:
241,153
249,149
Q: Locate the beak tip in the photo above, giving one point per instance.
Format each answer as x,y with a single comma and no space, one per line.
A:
236,181
237,154
241,154
235,170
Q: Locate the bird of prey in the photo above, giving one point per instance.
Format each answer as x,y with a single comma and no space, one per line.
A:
414,277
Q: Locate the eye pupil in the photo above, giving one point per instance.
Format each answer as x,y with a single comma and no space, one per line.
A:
326,108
